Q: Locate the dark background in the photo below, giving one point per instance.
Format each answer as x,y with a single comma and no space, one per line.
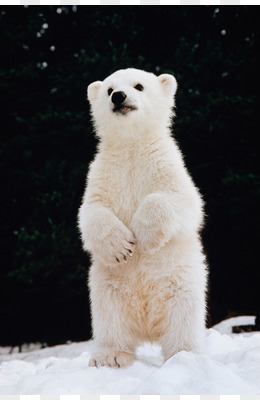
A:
47,143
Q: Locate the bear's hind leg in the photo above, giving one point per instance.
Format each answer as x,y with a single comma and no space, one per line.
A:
186,327
114,332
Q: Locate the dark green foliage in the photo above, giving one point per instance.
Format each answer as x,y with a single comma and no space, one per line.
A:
47,143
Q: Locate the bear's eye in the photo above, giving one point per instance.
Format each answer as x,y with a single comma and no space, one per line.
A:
139,87
110,90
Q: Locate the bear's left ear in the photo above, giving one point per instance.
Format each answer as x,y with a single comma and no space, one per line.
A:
93,90
168,83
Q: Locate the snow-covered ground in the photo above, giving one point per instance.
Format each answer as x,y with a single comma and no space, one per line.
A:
230,364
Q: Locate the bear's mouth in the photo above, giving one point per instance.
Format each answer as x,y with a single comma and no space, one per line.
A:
123,109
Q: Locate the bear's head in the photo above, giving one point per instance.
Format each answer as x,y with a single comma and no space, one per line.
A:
132,100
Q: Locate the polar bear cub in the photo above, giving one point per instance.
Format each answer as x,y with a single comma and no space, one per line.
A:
140,219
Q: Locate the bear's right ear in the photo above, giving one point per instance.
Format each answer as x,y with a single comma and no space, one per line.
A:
93,90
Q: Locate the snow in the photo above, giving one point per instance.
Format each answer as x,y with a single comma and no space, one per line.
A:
226,325
229,364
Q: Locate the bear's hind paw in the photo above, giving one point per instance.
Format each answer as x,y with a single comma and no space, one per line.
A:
113,360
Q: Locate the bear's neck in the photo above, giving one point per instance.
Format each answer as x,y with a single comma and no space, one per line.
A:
123,139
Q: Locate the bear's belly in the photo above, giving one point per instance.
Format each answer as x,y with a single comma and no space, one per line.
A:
149,306
142,302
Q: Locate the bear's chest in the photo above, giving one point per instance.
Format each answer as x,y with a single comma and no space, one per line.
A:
127,187
126,181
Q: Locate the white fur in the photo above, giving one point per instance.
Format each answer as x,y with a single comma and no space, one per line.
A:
139,191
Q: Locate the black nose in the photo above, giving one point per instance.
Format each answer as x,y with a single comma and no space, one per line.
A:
118,97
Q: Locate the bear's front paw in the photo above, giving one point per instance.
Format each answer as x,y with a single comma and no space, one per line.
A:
149,238
118,247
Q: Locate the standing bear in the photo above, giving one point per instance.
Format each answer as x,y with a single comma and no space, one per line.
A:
140,219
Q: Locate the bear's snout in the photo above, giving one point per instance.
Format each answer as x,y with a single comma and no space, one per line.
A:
118,98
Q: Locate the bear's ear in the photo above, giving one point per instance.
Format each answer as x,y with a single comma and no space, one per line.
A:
93,90
168,83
